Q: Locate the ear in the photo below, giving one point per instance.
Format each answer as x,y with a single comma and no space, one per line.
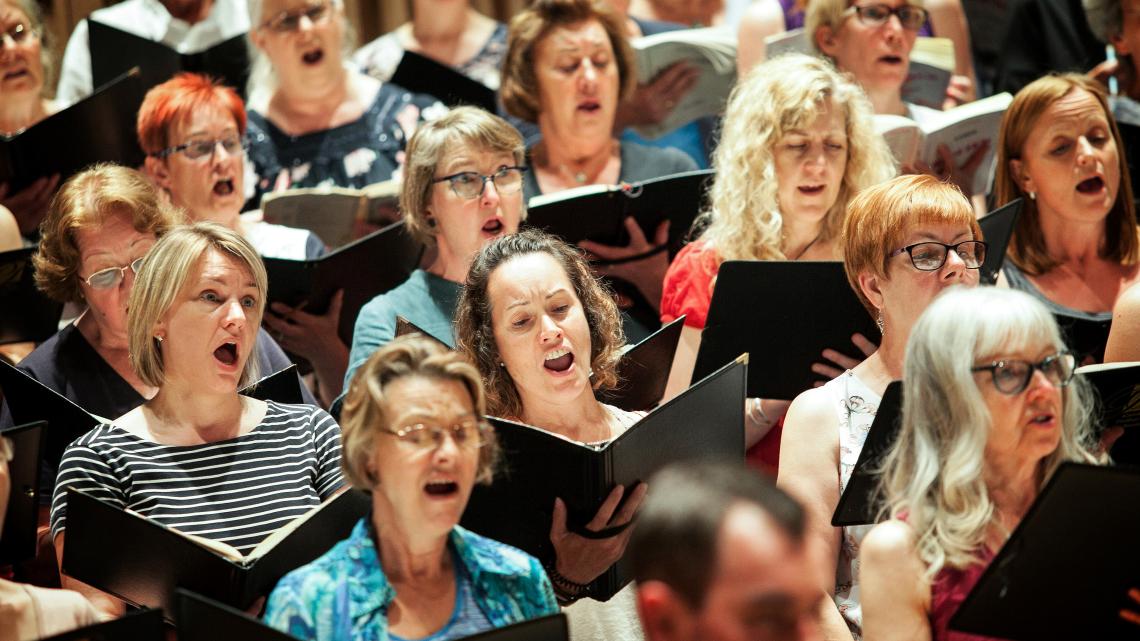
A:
825,40
1020,176
664,616
871,286
257,37
156,169
1120,44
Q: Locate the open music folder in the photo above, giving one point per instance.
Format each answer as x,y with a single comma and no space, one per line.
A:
420,74
18,540
29,315
114,51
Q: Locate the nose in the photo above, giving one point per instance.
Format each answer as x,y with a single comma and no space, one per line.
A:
954,268
446,449
234,314
551,332
589,75
490,196
1085,150
1040,384
304,23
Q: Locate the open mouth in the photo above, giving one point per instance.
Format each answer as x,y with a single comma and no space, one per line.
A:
226,354
891,60
1090,185
1042,419
493,226
224,187
811,189
15,73
559,360
441,488
312,57
589,106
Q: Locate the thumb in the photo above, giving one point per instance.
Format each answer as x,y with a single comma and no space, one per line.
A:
662,235
558,523
336,303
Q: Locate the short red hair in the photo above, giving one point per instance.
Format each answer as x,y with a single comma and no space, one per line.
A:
174,100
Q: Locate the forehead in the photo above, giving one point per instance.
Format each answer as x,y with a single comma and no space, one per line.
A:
219,265
114,230
588,35
822,118
204,120
756,561
426,396
525,276
10,12
463,154
944,231
1075,109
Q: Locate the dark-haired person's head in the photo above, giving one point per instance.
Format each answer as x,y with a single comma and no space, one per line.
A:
719,553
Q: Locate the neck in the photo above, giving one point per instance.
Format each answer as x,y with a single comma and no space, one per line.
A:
1012,487
309,101
407,558
102,339
574,158
799,236
1070,241
892,348
16,114
439,23
181,409
887,101
448,266
191,12
584,420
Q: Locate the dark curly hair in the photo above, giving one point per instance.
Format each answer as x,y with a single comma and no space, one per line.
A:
476,335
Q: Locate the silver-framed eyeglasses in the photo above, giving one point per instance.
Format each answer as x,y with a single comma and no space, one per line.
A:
470,184
199,149
874,15
469,434
110,277
18,34
1012,376
287,21
930,256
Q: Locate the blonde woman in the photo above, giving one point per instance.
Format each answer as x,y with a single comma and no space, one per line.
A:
991,410
797,145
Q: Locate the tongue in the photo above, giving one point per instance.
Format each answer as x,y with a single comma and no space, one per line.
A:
226,353
493,227
224,188
560,364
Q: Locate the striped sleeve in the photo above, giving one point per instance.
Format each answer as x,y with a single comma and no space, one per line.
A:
326,443
83,468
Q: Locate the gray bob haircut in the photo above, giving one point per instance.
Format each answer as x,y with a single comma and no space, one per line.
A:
935,474
169,267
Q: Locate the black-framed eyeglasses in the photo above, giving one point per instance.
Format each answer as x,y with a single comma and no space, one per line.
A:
423,437
470,184
1013,376
875,15
287,21
199,149
930,256
110,277
18,34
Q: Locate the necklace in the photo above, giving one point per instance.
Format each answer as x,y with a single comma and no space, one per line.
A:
809,245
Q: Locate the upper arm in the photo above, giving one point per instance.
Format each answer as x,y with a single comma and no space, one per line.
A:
84,469
948,20
895,594
809,466
326,441
1124,337
375,327
762,19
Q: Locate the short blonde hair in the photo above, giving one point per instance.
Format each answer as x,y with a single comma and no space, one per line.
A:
1027,247
31,9
881,216
87,201
519,90
462,127
365,412
782,94
829,13
167,271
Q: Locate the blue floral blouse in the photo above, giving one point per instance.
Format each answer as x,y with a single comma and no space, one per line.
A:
344,595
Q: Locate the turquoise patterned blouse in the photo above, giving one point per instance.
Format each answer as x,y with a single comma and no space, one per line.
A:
344,595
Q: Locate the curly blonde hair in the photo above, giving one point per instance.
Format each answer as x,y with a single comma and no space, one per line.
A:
782,94
476,335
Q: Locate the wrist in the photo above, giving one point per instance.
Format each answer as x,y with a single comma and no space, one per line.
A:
566,590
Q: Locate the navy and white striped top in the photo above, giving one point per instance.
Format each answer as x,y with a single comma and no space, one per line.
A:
236,491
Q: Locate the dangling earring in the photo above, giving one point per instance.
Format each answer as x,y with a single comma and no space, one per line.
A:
879,321
158,337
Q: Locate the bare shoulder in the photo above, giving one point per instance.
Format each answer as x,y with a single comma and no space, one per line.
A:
812,413
763,18
891,540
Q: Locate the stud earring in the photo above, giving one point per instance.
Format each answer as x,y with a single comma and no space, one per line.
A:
158,337
1032,195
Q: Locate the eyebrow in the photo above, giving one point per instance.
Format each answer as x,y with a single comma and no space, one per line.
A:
420,414
520,302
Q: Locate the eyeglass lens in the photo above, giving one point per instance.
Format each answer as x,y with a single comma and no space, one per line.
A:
932,256
107,278
421,436
291,20
1011,377
910,17
469,184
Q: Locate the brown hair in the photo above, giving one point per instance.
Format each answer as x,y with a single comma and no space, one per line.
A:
476,335
365,404
1027,247
519,89
86,201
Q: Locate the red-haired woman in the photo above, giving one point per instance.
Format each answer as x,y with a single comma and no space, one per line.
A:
193,132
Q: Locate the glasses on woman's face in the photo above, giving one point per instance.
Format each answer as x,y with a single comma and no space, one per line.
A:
287,21
1013,376
930,256
17,34
875,15
425,437
110,277
199,149
470,184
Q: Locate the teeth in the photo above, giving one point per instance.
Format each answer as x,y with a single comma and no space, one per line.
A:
558,353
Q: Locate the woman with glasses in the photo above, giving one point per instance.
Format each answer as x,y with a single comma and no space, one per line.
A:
1076,245
25,67
904,241
193,131
546,337
415,439
990,410
198,456
462,188
314,119
101,225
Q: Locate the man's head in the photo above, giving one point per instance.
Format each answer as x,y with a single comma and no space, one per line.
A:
719,554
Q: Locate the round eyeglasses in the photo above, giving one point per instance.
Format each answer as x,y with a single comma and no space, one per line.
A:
287,21
470,184
874,15
930,256
1012,377
424,437
110,277
199,149
17,34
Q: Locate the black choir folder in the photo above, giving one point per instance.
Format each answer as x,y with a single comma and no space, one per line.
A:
114,51
145,561
861,500
1066,570
784,314
283,386
18,540
598,212
364,269
99,128
1086,337
706,421
143,625
29,315
997,228
420,74
1117,387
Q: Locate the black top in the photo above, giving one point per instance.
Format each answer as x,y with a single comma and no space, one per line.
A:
1044,36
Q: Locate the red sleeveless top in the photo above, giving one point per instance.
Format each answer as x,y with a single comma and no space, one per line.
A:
947,592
